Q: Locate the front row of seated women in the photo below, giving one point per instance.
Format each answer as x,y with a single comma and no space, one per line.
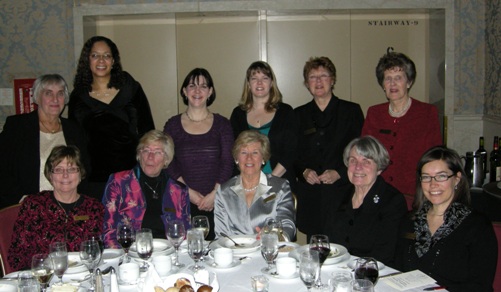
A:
448,240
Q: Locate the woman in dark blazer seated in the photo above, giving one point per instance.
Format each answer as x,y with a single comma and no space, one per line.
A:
27,140
368,219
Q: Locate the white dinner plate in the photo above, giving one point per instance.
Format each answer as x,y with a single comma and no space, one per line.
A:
249,242
111,255
289,246
351,265
170,280
338,253
12,275
75,265
160,247
8,286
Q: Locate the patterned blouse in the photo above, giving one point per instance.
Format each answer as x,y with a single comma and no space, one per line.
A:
42,221
125,202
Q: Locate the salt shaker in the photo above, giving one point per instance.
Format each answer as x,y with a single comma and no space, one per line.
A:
99,281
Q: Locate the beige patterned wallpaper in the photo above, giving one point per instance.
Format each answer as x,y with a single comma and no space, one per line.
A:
36,37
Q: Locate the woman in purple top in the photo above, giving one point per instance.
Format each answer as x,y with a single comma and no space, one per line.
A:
145,195
203,142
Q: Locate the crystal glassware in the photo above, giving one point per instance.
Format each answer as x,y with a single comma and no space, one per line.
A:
175,234
366,268
195,238
90,255
269,250
309,267
59,255
320,243
144,246
43,269
126,236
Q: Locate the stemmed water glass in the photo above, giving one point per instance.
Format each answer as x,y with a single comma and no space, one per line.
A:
59,255
90,255
195,239
309,267
175,234
320,243
42,267
269,250
126,236
144,246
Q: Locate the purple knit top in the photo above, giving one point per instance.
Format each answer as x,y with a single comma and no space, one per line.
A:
202,160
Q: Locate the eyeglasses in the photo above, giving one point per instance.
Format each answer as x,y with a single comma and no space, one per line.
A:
438,178
146,152
106,57
193,86
322,77
396,79
69,170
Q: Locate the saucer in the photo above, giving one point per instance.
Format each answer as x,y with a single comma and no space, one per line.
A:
293,276
233,264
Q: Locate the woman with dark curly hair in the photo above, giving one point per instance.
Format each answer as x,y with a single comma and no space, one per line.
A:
203,142
111,107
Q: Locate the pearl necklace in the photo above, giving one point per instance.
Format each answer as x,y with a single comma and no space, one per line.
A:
399,113
197,121
251,189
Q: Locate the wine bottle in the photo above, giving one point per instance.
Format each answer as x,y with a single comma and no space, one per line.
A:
483,153
495,173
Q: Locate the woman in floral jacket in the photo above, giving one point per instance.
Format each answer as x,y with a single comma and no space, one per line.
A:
145,195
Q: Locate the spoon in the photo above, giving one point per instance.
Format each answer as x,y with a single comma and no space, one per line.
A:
236,244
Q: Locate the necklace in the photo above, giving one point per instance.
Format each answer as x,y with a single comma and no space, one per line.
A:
399,113
68,208
197,121
49,130
98,94
251,189
155,194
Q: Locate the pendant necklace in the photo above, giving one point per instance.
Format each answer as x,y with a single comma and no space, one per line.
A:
49,130
69,207
155,194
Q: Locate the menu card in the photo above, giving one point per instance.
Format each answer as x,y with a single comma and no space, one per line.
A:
409,280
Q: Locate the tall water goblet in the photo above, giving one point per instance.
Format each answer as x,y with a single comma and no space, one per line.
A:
275,225
43,269
269,250
144,246
366,268
201,222
59,255
320,243
175,234
195,238
90,255
126,236
309,267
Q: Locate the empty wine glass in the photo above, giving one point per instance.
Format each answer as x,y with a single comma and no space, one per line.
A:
269,250
195,238
43,268
320,243
99,239
90,255
59,255
126,236
366,268
144,246
175,234
309,267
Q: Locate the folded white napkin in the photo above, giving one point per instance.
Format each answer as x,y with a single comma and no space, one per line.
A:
151,280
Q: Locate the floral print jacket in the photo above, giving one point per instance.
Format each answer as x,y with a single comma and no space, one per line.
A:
124,201
42,221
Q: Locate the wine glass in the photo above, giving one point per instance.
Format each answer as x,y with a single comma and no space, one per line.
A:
126,236
309,267
362,285
201,222
195,239
144,246
175,235
90,255
42,267
320,243
269,250
59,255
366,268
99,239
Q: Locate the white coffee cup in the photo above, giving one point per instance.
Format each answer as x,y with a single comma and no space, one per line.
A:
128,273
286,267
223,256
163,264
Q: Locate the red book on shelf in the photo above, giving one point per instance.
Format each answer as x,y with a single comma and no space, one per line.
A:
22,95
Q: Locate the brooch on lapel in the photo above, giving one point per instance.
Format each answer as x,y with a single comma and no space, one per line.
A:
376,199
271,197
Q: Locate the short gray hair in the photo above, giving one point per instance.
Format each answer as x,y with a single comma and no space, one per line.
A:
49,79
369,147
157,136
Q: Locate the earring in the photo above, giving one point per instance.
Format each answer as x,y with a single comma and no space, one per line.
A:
263,163
236,162
456,187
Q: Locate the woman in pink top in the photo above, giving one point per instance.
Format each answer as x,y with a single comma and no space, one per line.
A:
404,125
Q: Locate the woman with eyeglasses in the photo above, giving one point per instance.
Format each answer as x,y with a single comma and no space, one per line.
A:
450,242
406,126
111,107
326,124
145,195
203,144
61,215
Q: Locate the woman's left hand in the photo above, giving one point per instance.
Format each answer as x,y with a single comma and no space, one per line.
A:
329,176
207,202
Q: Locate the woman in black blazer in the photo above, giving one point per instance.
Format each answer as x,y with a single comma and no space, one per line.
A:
27,140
